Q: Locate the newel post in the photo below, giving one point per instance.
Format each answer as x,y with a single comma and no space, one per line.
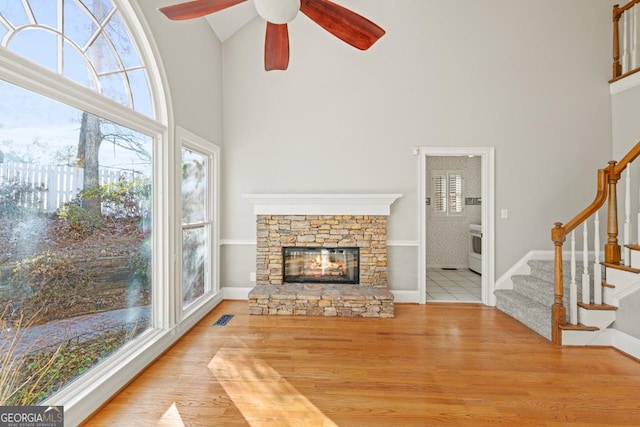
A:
617,67
558,311
612,248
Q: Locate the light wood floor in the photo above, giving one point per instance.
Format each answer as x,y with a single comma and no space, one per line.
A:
433,365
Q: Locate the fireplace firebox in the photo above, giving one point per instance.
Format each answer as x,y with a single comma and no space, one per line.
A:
321,265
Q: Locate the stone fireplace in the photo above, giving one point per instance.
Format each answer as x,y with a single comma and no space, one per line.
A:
342,233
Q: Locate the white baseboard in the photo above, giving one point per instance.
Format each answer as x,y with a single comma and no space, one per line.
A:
236,293
618,340
626,343
406,296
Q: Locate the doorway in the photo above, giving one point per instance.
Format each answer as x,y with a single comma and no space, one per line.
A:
447,214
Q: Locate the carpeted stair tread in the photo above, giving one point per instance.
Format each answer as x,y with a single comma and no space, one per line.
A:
545,270
539,290
527,311
534,288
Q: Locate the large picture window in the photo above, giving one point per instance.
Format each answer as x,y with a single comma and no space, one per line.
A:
75,238
79,145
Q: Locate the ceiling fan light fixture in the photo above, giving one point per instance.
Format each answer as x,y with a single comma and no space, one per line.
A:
277,11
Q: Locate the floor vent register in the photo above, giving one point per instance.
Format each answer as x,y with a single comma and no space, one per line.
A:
223,320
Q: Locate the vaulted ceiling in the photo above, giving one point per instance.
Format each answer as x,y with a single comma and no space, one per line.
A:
228,21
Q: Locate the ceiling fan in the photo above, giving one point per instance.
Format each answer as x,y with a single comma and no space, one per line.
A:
343,23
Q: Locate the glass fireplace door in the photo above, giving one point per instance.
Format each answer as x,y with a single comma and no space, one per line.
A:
321,265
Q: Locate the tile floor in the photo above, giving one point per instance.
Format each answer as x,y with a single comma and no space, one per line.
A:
453,285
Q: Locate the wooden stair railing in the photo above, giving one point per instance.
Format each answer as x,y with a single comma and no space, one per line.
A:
606,186
627,62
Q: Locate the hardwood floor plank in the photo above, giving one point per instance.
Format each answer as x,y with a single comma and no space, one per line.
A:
433,365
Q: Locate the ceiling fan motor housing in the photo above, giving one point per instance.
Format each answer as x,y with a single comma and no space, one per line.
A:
277,11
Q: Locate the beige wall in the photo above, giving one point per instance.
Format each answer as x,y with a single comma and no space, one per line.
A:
191,56
626,126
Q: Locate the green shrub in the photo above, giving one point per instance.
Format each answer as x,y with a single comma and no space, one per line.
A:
79,220
124,198
120,199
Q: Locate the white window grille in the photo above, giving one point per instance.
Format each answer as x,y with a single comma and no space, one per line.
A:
447,193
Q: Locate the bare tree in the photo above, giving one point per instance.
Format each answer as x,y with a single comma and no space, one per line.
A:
88,158
131,141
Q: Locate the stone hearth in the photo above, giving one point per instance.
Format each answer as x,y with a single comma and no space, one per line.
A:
321,300
328,221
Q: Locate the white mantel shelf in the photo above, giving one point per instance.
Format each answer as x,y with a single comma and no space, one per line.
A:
322,204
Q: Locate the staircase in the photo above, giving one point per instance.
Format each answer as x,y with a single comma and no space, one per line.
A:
586,300
532,296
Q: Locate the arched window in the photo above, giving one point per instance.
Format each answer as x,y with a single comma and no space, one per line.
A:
86,41
80,138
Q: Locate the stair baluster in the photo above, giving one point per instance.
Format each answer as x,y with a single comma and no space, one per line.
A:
629,39
586,280
625,56
597,267
626,257
573,288
638,241
633,37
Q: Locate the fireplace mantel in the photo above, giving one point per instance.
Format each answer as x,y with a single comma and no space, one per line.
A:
322,204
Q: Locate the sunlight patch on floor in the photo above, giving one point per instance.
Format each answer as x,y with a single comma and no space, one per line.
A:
261,394
171,418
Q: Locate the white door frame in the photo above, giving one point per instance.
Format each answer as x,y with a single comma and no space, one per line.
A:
488,215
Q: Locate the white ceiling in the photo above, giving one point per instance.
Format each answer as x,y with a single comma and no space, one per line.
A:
228,21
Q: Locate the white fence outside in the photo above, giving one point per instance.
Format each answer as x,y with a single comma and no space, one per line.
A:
58,184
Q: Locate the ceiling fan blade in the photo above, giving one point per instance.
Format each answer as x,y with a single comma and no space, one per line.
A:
276,47
196,8
348,26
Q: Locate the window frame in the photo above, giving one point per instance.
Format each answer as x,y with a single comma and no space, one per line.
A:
90,391
189,140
